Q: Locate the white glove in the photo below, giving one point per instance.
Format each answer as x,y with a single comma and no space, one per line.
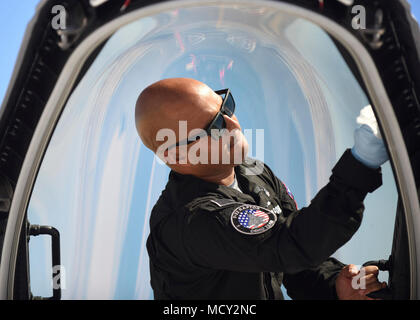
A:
369,147
367,117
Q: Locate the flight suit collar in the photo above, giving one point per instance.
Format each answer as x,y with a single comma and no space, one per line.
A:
192,187
253,192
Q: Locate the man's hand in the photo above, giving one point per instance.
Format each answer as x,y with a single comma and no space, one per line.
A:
353,284
369,147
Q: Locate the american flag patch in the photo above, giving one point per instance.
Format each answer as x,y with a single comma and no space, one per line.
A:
252,219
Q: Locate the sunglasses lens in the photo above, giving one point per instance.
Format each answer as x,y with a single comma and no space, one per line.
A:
219,123
217,127
229,107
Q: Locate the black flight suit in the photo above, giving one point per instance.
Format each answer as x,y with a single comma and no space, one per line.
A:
196,252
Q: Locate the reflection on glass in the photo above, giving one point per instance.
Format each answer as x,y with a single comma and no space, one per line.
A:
98,183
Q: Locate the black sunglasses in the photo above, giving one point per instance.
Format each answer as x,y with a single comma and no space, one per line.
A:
218,123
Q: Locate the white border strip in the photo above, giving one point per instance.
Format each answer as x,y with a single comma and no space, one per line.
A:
50,115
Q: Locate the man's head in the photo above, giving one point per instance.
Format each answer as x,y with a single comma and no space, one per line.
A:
163,110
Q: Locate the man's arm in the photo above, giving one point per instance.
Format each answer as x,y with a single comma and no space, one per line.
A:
314,284
320,282
339,203
305,239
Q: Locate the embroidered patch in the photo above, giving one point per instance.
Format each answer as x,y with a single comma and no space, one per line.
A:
251,219
290,194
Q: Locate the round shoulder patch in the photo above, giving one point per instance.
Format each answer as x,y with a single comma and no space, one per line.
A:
251,219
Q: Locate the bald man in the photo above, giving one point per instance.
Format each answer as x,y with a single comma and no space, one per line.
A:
225,227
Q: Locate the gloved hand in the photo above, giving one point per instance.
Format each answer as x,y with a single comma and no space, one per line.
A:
369,147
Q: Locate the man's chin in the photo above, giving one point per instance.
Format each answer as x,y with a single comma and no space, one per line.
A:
239,158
